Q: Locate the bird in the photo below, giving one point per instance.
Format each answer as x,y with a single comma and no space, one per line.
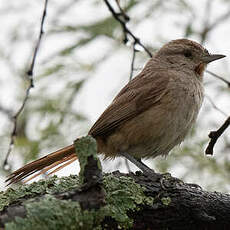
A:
149,116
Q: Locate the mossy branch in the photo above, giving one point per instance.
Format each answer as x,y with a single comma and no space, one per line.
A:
111,201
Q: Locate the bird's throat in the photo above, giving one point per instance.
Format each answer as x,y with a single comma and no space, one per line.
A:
200,69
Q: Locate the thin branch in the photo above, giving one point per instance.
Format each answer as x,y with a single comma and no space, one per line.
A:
214,106
220,19
132,61
214,135
207,13
126,17
30,71
30,86
218,77
205,31
125,28
208,27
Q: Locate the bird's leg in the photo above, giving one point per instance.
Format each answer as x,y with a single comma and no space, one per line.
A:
144,168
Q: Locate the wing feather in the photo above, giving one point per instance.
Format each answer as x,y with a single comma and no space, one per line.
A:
137,96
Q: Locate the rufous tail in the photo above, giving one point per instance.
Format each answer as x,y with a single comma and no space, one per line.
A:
62,157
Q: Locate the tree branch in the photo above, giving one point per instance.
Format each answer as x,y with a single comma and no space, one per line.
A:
208,27
126,30
41,32
132,61
218,77
214,106
30,86
112,201
214,135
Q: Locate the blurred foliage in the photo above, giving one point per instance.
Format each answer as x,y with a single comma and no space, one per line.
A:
50,119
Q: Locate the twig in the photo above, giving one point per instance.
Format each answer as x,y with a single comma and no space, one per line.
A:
208,27
132,62
220,78
31,85
30,71
214,106
214,135
125,28
220,19
126,17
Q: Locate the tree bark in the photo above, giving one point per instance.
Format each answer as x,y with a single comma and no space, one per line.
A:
112,201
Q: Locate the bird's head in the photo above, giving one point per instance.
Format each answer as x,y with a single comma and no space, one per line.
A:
184,53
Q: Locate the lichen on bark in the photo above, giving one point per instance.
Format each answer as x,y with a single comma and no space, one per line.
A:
55,203
45,211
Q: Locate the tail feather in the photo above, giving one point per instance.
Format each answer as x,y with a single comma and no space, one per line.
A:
44,164
71,160
68,161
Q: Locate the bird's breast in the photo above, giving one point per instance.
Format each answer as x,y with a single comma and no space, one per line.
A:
186,97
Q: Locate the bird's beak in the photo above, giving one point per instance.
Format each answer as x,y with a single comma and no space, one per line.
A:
211,57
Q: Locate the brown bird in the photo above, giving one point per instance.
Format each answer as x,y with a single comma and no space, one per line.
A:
149,116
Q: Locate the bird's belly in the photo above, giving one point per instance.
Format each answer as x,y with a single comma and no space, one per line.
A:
160,134
152,133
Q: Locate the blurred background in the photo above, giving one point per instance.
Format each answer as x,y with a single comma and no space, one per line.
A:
82,64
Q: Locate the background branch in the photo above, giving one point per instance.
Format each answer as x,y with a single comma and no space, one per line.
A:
13,133
215,106
214,135
219,77
123,22
132,61
209,27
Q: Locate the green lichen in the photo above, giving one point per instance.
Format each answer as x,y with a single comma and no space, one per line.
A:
166,200
85,147
49,186
52,214
122,196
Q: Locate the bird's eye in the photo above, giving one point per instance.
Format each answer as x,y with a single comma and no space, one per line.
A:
187,53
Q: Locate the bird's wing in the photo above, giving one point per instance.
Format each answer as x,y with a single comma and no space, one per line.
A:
138,95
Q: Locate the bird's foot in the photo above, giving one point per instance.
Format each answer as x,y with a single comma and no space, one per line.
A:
150,173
